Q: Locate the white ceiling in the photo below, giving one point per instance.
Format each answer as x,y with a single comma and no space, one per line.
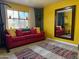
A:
34,3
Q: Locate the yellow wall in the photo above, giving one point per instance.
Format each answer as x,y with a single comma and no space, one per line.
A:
49,19
68,21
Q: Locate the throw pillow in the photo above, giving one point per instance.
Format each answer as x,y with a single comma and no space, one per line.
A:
37,29
12,32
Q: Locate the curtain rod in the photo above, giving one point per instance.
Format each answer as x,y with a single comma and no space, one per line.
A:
5,3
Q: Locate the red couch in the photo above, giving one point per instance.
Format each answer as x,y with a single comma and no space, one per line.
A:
59,31
23,38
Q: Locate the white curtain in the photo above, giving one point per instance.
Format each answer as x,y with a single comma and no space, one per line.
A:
31,18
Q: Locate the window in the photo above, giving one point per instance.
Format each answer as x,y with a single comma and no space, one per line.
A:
17,19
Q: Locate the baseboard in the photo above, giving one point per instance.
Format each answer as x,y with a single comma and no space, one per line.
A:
63,42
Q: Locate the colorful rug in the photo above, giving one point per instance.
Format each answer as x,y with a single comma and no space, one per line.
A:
29,53
60,51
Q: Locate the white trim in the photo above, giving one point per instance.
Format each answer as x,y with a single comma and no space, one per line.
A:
64,10
63,42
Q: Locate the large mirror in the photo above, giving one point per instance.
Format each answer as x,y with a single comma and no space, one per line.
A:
64,22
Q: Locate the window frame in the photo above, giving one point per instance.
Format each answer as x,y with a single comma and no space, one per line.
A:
17,18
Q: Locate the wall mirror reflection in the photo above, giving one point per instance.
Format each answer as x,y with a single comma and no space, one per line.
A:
65,22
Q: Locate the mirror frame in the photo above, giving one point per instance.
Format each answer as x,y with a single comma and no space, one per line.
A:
73,22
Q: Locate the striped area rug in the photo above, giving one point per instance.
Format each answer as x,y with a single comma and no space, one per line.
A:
60,51
28,54
39,52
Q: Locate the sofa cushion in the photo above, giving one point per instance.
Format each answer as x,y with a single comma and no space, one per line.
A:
19,33
33,31
26,32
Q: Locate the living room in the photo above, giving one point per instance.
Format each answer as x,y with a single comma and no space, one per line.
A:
34,29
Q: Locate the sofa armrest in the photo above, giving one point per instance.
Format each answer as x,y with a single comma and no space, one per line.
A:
42,33
9,38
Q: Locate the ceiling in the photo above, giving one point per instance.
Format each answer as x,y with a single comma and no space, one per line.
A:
34,3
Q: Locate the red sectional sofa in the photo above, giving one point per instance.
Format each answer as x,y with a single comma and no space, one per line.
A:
59,31
24,37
